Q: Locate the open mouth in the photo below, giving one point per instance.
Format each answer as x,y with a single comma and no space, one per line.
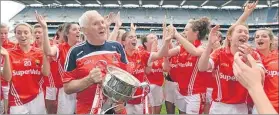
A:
37,38
260,43
102,32
24,40
134,44
242,40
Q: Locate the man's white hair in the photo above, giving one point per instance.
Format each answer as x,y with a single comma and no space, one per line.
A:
83,20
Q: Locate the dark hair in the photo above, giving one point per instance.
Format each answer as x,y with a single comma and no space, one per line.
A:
82,37
202,25
143,40
66,29
59,29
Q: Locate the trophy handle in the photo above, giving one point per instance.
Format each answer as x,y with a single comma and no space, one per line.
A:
143,85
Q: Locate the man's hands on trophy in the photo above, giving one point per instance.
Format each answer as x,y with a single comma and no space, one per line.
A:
95,75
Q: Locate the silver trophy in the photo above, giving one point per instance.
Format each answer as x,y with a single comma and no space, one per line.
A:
119,86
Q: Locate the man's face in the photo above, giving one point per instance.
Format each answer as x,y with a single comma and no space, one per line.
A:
96,27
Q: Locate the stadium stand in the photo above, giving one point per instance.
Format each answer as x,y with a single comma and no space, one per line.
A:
150,18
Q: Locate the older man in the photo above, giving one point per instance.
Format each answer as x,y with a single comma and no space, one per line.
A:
82,76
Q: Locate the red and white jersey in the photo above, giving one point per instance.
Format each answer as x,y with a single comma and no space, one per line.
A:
136,66
184,70
82,58
156,74
3,84
62,52
55,79
26,75
270,63
7,45
228,90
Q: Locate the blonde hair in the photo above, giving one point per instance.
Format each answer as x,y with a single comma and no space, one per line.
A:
230,32
24,24
3,25
269,33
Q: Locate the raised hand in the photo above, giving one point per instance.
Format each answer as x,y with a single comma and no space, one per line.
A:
110,18
250,7
117,20
213,35
247,76
154,46
133,27
3,51
164,27
40,20
169,34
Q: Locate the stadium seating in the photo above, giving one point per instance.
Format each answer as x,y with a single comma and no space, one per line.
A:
151,16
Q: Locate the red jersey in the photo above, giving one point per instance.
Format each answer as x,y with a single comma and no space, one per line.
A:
137,64
228,90
184,69
61,57
7,44
209,78
81,59
270,63
141,48
54,79
156,75
26,75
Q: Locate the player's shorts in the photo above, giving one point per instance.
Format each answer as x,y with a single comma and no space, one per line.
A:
66,103
169,91
156,95
193,104
134,108
223,108
36,106
209,95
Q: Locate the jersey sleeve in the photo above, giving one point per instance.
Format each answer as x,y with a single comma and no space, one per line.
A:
70,63
120,50
214,59
70,66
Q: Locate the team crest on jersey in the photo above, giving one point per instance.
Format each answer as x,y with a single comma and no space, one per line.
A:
37,62
138,61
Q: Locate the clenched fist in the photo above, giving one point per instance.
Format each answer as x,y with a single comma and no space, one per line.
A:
95,75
